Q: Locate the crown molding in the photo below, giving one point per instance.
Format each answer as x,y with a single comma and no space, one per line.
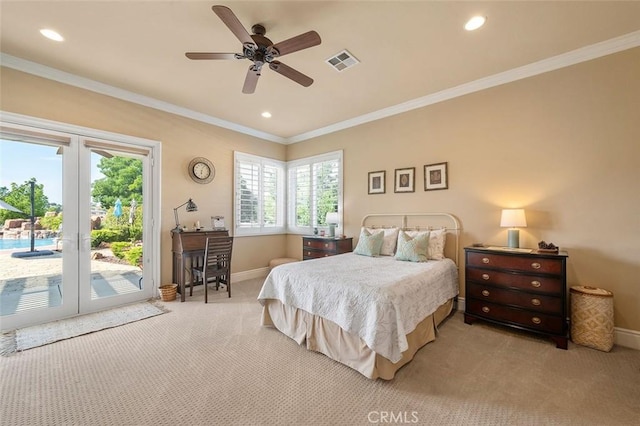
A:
115,92
573,57
587,53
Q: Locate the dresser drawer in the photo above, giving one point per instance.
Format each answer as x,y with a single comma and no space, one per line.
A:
533,320
541,284
533,264
314,254
531,301
319,244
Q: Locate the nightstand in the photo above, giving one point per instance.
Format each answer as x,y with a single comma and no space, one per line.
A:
525,291
315,247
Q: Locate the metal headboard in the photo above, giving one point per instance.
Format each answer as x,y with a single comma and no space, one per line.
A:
434,220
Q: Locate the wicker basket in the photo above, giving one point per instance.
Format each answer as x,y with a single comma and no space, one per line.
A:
168,292
592,317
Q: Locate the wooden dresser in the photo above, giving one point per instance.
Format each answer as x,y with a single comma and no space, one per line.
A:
525,291
315,247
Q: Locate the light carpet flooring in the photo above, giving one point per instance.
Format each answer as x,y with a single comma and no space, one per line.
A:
214,365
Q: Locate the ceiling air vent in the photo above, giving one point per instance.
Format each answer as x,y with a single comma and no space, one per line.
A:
342,60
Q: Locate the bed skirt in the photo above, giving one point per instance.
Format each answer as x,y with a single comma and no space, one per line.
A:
325,336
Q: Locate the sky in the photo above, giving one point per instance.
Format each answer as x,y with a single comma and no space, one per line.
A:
19,162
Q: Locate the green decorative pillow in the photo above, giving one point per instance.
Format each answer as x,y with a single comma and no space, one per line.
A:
413,249
369,244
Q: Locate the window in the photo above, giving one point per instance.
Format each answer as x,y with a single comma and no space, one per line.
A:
315,188
260,198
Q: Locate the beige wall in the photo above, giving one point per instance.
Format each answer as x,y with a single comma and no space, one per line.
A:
181,138
564,145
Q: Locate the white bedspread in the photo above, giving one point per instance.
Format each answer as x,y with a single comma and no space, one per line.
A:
380,299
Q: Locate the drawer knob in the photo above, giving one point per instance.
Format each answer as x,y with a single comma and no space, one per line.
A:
535,265
485,293
485,309
308,243
485,276
485,260
535,284
536,320
308,253
535,302
325,255
326,245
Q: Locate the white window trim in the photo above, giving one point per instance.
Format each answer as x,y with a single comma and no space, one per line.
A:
308,230
281,194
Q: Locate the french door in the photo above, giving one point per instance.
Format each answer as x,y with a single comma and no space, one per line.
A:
100,224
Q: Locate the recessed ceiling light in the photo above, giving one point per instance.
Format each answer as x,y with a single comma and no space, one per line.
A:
52,35
266,114
475,23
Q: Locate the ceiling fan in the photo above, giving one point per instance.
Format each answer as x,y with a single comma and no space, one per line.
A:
260,50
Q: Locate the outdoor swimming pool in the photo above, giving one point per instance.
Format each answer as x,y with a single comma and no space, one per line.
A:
11,244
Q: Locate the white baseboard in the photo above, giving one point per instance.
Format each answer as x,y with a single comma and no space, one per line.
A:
621,336
249,275
626,338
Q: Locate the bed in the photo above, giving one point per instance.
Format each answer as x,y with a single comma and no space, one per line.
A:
371,310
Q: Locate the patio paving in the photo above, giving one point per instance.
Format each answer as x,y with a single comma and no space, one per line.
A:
34,282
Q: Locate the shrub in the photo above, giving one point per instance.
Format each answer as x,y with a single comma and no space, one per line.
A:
120,248
134,255
108,235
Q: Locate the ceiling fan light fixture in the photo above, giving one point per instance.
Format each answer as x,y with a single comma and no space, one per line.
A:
266,114
51,34
475,23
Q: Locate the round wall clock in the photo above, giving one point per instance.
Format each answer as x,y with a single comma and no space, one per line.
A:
201,170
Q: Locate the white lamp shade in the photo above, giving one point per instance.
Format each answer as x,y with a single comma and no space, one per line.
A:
513,218
332,217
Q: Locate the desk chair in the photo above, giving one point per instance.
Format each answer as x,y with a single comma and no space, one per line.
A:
216,266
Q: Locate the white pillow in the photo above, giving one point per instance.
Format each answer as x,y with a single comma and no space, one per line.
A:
437,240
390,238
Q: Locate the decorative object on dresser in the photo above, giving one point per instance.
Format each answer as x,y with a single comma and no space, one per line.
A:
544,247
513,219
435,176
191,207
405,180
525,291
332,220
315,247
377,182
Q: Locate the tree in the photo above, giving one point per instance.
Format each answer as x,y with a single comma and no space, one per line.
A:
123,179
19,196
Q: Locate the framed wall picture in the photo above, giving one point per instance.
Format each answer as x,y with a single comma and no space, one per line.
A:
435,176
377,182
405,180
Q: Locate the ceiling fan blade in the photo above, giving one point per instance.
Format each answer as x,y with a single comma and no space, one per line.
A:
250,81
299,42
291,73
203,55
233,23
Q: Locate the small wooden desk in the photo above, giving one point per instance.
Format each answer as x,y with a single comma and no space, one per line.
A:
189,244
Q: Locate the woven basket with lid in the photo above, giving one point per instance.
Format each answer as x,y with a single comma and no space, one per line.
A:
592,317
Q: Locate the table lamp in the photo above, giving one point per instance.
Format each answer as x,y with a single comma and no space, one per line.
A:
191,207
513,219
332,219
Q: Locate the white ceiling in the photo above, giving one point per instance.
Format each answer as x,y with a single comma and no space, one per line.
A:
412,53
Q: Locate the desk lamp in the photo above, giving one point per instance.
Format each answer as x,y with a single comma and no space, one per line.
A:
191,207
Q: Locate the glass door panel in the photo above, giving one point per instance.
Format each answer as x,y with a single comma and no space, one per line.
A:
112,243
38,251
